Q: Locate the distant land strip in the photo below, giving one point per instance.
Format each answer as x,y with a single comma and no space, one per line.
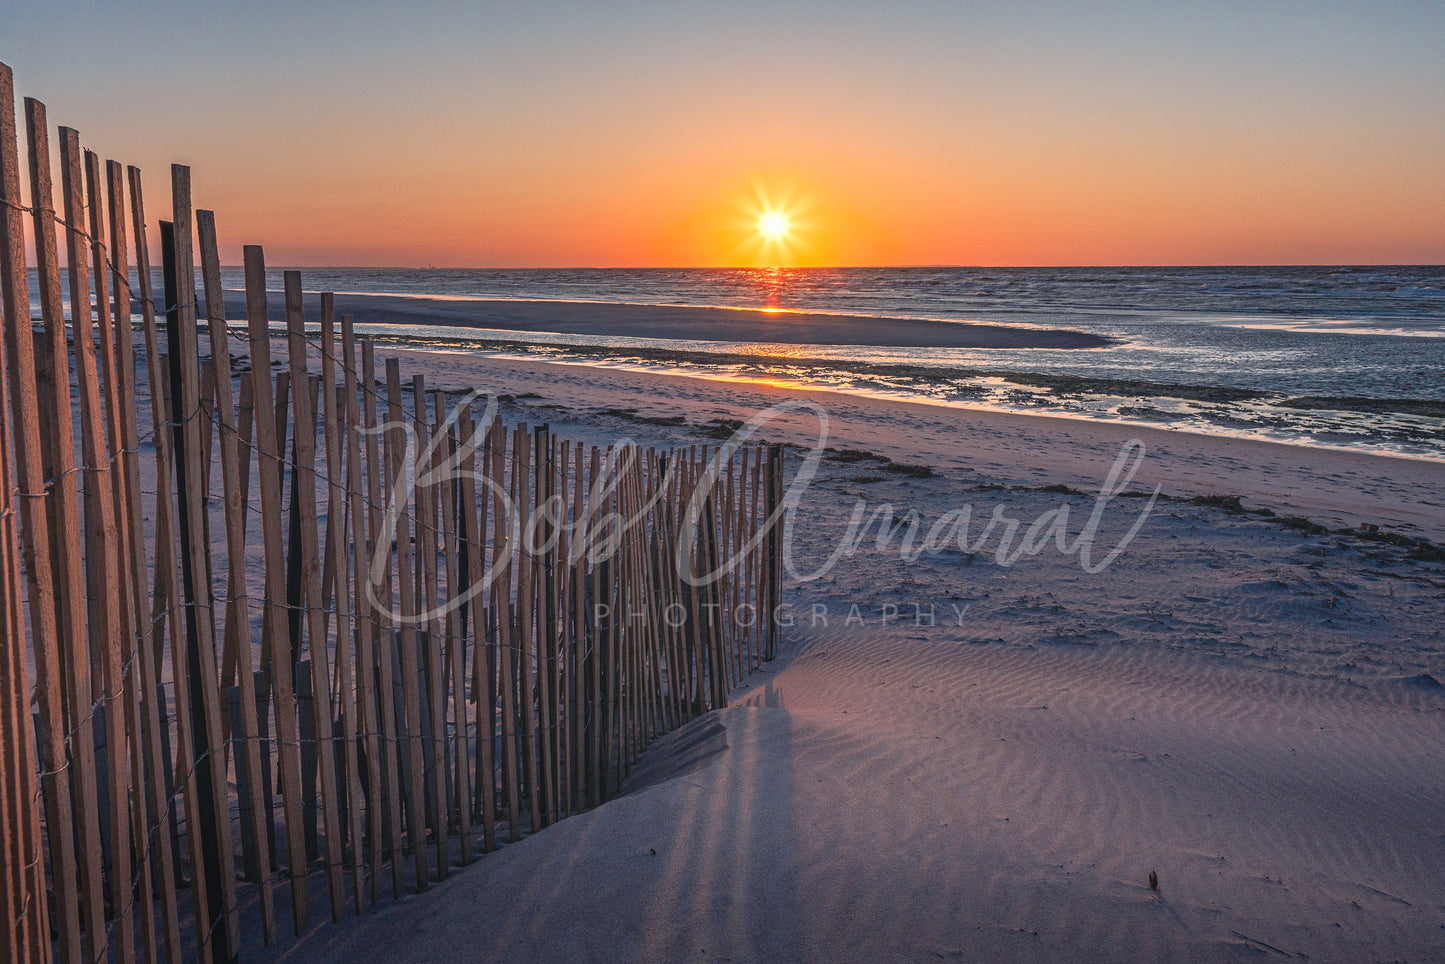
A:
693,323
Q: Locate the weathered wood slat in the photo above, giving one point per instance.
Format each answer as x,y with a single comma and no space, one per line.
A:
336,514
647,579
237,626
772,561
636,620
191,769
364,611
459,582
524,650
474,511
429,440
240,435
622,631
304,417
25,859
64,509
503,532
681,707
538,533
201,656
611,598
138,711
562,622
399,509
659,721
597,727
269,458
296,603
383,537
100,416
453,654
163,613
576,554
207,424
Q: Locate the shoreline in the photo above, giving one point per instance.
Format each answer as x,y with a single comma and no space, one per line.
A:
1063,385
722,339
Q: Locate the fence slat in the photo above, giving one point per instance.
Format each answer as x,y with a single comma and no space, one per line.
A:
214,828
592,623
35,548
454,654
269,458
433,718
238,630
379,468
304,419
365,621
539,535
127,476
411,694
475,513
110,495
464,574
613,626
161,842
64,510
499,596
337,524
577,550
525,651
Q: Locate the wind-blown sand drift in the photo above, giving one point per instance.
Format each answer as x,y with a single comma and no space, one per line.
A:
683,322
1244,704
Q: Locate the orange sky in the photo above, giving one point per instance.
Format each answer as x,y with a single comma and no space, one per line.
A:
1002,134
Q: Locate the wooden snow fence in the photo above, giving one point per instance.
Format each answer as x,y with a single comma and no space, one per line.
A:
298,621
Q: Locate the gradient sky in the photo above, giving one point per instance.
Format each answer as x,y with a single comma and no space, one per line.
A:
637,134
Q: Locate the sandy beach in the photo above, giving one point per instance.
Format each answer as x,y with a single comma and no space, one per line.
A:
960,759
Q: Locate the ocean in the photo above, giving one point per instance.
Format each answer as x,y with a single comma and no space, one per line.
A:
1342,357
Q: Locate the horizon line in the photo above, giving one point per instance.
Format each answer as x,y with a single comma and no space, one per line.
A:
861,267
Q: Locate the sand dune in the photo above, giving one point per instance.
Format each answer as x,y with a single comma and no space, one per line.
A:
891,798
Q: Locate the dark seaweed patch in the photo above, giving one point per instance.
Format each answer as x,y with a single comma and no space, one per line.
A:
1300,524
1229,503
1355,403
853,455
911,471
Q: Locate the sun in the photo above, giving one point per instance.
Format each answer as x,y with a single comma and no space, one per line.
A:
774,225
